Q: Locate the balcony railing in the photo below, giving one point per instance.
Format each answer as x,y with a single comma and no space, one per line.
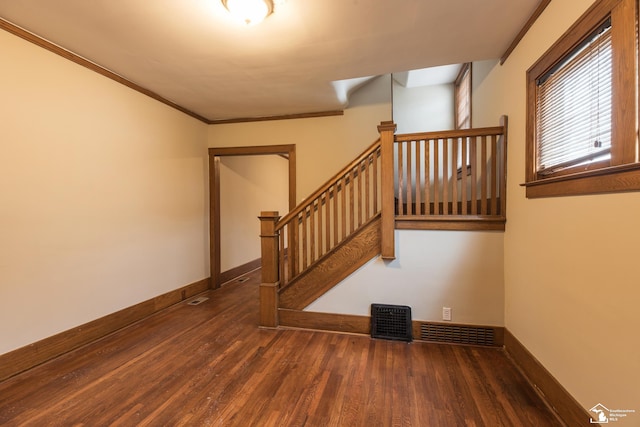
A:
454,180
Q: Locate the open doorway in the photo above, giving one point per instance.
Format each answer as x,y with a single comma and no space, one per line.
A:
215,220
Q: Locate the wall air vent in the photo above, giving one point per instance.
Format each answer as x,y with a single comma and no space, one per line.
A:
391,322
456,334
197,301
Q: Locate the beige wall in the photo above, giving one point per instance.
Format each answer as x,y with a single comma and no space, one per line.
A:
571,264
324,145
103,198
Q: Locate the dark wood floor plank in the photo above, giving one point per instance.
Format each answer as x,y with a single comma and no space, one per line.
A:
210,365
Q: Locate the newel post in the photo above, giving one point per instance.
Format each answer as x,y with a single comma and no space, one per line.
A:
270,280
388,214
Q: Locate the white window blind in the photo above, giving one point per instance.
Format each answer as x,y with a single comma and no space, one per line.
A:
574,106
463,100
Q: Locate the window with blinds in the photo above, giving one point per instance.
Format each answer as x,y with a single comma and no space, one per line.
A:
462,95
573,106
582,107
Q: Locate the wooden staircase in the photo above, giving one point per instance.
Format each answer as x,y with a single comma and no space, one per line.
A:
453,180
361,246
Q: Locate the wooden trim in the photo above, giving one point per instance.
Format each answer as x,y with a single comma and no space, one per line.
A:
295,210
281,117
449,134
73,57
504,122
387,244
214,220
622,174
358,324
238,271
292,177
571,38
624,130
614,179
356,250
27,357
345,323
269,274
253,150
269,305
532,19
289,150
552,392
45,44
451,222
498,331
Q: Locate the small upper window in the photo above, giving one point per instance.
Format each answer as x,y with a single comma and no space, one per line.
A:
462,95
581,102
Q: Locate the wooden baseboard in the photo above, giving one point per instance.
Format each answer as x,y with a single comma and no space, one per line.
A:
556,396
355,324
27,357
238,271
346,323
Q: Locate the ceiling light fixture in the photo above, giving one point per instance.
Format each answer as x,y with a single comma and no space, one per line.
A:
250,12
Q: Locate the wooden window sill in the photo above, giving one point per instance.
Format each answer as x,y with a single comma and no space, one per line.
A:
613,179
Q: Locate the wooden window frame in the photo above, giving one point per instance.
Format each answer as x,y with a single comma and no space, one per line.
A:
622,173
288,151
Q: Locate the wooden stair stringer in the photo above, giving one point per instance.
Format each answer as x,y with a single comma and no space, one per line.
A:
352,254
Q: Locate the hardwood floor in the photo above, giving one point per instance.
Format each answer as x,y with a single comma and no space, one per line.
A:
209,365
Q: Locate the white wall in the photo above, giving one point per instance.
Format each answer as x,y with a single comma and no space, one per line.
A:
423,108
103,196
248,185
457,269
571,263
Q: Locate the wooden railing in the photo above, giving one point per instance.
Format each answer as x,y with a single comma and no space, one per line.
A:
435,180
330,215
451,176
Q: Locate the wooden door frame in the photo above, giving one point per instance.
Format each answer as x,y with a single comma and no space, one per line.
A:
287,151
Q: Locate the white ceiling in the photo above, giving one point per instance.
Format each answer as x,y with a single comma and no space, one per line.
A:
191,52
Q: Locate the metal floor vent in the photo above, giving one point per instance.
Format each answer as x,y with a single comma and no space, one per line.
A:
391,322
457,334
198,300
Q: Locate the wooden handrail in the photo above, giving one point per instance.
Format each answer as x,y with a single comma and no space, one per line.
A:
457,133
332,181
451,175
330,215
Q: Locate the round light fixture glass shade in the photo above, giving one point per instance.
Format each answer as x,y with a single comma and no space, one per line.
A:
250,12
